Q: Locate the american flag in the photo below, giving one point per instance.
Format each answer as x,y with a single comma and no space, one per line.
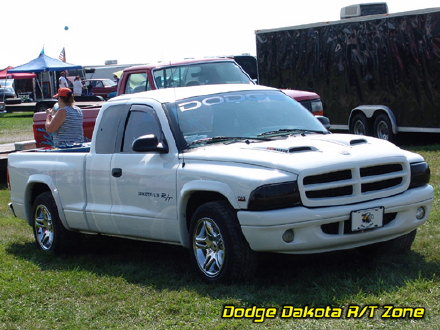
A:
62,56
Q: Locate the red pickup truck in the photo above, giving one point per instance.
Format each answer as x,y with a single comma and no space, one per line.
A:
177,74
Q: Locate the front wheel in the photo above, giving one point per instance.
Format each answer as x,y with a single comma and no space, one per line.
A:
399,245
219,250
50,234
402,244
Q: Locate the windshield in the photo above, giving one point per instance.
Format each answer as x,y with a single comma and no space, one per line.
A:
255,115
6,82
108,83
201,74
7,90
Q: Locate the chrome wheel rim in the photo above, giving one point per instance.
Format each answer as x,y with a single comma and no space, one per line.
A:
382,131
359,128
44,233
208,246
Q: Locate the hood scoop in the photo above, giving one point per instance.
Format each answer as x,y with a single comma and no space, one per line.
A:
357,141
300,149
290,150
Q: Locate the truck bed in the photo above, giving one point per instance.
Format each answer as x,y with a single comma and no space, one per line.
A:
62,170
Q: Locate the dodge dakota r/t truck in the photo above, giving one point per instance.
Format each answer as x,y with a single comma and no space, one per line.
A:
225,171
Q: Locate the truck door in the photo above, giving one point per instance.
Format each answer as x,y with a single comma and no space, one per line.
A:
98,171
143,184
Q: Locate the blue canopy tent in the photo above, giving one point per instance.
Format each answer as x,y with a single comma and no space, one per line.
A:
44,63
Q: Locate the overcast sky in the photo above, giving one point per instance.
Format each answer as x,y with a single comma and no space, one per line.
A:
143,31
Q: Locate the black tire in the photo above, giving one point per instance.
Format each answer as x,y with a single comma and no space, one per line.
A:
359,125
219,251
402,244
399,245
382,128
49,233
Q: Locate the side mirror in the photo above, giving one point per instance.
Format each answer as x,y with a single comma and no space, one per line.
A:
324,121
149,143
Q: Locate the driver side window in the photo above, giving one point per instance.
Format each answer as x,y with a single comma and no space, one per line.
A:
142,120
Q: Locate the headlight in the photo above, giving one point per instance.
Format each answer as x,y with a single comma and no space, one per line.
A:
275,196
420,174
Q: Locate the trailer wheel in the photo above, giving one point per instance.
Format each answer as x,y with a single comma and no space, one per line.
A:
382,128
359,124
219,251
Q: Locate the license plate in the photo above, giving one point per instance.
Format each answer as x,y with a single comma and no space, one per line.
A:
367,219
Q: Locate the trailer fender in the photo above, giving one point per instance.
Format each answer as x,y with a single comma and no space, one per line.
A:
370,110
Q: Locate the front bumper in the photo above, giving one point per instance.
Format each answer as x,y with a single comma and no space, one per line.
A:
264,229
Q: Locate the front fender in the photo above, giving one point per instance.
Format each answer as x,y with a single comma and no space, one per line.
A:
196,186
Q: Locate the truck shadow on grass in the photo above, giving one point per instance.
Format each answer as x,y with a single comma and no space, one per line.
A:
319,280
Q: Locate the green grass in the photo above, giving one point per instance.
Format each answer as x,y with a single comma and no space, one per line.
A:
120,284
16,127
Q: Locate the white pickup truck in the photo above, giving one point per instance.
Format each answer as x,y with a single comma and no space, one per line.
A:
225,171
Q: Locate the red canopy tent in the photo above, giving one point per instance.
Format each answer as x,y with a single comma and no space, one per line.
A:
5,75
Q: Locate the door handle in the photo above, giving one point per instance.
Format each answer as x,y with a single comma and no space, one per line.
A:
116,172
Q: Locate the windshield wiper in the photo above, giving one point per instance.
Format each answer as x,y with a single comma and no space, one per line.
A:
288,131
216,139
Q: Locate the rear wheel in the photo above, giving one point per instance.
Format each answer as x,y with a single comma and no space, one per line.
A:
50,234
219,250
359,124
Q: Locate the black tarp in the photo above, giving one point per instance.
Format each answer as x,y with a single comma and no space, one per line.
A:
392,60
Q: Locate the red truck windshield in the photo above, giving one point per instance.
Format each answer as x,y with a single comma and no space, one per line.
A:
200,74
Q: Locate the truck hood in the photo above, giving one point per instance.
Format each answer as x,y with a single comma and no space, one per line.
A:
300,95
298,153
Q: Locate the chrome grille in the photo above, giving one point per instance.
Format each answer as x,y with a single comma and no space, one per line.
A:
353,185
